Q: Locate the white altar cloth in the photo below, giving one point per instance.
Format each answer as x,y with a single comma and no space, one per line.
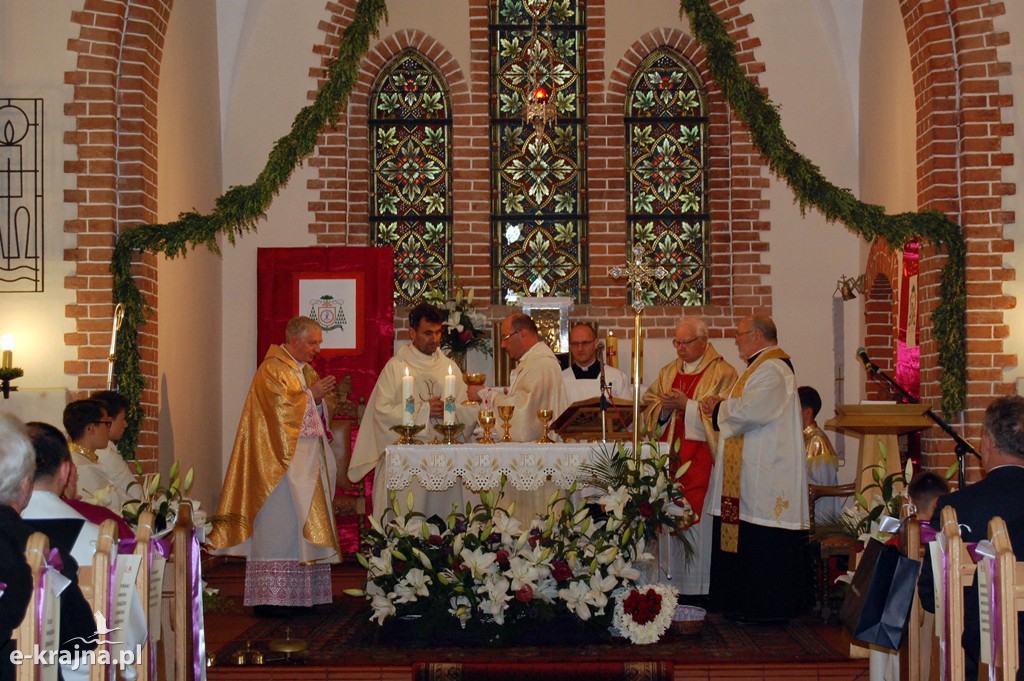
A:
441,477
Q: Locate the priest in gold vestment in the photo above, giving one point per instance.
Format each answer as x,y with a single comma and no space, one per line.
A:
673,415
277,495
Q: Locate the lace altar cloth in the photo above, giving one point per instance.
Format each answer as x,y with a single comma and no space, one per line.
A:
528,466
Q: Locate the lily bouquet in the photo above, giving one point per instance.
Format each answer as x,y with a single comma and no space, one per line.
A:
465,325
482,569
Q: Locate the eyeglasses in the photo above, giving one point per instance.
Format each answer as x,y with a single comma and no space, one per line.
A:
741,334
680,343
509,335
580,344
106,423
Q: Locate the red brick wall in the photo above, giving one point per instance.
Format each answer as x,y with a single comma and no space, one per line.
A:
953,55
119,49
736,182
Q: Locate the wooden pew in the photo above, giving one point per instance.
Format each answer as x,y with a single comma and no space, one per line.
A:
951,591
1007,591
910,651
27,633
94,580
181,612
143,548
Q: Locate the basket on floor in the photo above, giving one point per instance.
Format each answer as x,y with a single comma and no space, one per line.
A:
688,620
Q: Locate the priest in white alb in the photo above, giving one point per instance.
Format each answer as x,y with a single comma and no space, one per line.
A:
423,361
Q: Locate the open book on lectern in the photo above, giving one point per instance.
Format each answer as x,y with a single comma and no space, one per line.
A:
582,420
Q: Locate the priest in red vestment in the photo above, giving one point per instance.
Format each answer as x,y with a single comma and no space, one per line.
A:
673,416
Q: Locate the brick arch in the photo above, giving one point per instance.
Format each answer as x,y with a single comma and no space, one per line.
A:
115,81
341,211
735,184
959,93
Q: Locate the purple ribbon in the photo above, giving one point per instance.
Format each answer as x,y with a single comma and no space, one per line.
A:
947,653
198,635
994,609
54,561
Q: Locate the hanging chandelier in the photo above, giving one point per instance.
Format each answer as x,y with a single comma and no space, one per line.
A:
539,98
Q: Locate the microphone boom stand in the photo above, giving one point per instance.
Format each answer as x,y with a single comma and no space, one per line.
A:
963,447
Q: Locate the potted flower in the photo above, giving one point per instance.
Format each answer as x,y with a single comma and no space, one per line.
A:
464,327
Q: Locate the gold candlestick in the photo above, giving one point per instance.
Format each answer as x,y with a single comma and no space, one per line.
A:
505,412
407,434
449,432
486,419
545,417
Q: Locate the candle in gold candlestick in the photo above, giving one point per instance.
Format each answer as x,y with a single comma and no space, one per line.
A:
449,397
612,348
409,405
7,343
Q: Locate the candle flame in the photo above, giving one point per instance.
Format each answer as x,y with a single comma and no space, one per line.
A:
406,371
449,369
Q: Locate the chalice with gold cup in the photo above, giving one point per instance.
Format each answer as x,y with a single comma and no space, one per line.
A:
473,379
545,418
505,413
486,418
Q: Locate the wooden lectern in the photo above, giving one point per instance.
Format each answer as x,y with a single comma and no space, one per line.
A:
581,421
878,424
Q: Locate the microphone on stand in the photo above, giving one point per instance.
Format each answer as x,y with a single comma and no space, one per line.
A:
862,355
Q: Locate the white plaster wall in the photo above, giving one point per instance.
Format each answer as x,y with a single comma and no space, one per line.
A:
33,60
270,83
807,77
189,178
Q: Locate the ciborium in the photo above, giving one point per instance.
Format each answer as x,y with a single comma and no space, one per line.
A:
505,412
545,418
474,379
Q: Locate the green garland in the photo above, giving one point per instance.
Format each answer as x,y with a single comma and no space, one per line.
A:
236,212
835,203
239,209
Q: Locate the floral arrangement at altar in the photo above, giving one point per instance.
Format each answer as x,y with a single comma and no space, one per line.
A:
162,501
464,328
577,568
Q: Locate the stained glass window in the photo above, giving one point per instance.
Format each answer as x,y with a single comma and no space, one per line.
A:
410,126
538,173
667,209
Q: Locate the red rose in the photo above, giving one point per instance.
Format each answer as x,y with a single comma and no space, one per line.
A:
525,594
466,335
436,540
645,509
501,557
560,570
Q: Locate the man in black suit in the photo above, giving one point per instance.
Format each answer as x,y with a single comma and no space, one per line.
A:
17,463
1000,493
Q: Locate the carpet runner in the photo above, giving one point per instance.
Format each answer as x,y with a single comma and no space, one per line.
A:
341,634
543,671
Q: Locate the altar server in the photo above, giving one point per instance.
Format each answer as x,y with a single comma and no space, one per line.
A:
583,375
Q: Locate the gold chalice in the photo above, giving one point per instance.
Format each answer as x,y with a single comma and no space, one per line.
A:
474,379
487,423
545,417
505,412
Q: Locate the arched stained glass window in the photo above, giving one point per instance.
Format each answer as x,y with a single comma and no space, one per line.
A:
667,210
538,174
410,126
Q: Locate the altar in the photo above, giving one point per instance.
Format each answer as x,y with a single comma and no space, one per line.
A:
442,476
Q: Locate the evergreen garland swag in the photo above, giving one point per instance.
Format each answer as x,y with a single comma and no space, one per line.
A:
238,210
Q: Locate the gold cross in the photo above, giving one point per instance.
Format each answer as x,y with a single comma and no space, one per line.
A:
639,275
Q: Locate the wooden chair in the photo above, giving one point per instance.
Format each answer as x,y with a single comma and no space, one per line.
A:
27,633
143,580
950,590
94,580
828,547
1007,591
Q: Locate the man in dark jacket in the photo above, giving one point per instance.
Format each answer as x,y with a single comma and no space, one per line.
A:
998,494
17,464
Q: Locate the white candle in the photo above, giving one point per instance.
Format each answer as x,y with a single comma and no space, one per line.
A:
408,410
449,397
7,343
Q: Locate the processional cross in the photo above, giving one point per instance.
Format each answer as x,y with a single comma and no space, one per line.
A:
638,275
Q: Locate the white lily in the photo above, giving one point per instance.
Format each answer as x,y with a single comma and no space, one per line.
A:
575,598
478,561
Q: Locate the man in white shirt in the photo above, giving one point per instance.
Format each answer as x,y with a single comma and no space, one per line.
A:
110,459
88,427
583,375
